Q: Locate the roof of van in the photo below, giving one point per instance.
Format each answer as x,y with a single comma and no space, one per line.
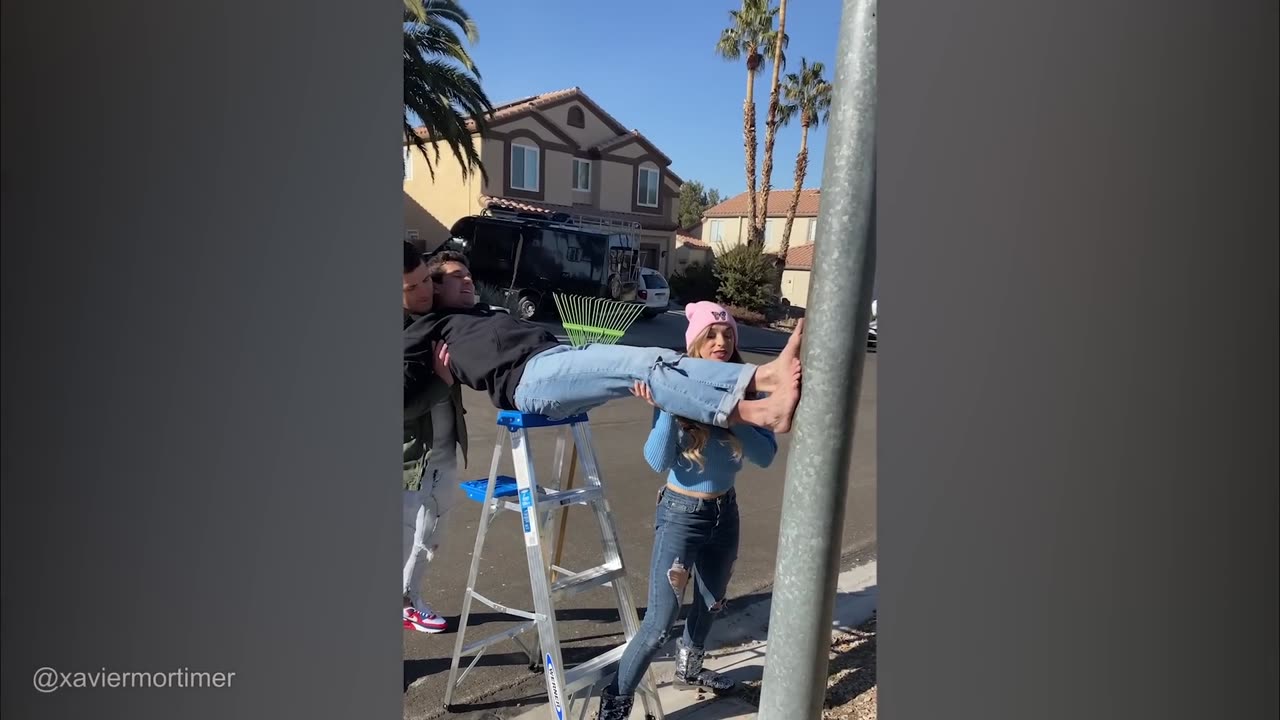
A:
530,221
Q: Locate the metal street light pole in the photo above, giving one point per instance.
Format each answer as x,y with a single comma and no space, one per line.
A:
795,675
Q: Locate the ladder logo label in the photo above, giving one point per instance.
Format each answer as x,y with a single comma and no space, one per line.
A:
554,685
526,502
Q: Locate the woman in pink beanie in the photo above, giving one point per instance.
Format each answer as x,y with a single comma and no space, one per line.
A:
696,533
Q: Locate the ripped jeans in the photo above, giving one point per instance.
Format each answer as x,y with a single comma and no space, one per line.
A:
564,381
693,539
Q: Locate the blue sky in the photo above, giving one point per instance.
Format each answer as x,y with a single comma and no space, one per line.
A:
653,66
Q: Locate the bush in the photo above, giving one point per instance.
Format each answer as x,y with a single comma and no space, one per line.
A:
747,317
747,278
697,283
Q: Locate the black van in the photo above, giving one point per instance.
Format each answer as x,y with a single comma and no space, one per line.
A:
526,258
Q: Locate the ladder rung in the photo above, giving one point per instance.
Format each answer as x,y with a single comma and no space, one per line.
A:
592,670
497,638
576,496
499,607
587,579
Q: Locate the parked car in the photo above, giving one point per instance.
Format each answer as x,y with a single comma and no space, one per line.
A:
654,292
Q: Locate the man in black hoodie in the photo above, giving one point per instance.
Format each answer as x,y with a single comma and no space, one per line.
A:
523,367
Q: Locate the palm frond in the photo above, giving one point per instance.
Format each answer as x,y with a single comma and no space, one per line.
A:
750,31
807,95
442,84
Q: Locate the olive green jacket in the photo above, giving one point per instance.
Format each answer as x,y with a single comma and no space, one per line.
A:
418,431
418,436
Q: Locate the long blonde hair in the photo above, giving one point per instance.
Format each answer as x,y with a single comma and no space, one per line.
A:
697,435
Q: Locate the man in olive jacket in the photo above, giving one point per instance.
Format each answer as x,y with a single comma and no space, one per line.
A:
434,431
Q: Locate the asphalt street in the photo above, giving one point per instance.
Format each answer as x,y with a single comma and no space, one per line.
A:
588,622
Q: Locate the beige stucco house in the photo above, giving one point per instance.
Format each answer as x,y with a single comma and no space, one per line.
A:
724,226
689,250
551,153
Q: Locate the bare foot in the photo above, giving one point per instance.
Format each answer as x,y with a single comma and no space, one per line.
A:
776,411
777,373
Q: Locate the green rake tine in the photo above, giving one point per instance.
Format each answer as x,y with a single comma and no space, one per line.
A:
589,320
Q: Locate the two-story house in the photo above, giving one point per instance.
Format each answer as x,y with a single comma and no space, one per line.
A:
558,152
724,226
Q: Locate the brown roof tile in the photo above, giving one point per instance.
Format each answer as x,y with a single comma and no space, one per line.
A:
516,108
800,257
508,110
779,201
691,241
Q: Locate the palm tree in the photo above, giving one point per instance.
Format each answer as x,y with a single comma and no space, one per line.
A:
808,97
771,126
441,84
750,34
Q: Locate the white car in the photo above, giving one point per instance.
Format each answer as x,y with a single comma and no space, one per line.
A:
653,292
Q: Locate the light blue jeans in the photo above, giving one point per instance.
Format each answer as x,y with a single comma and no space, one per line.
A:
564,381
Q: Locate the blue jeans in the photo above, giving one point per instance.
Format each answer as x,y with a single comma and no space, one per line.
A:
692,537
564,381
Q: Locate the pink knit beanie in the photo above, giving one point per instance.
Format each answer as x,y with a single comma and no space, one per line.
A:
702,315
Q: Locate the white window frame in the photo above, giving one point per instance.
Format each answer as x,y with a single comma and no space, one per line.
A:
527,149
657,188
773,231
813,229
576,163
408,163
717,231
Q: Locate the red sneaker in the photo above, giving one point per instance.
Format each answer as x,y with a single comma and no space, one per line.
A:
422,619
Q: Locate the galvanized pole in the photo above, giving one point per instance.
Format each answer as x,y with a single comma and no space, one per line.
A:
795,674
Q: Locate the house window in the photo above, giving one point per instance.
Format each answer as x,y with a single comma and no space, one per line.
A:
576,117
582,175
813,228
408,162
773,232
524,167
647,187
717,231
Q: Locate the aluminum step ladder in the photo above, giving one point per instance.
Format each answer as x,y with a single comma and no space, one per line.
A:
569,690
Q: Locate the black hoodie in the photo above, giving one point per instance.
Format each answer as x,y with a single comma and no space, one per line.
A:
487,350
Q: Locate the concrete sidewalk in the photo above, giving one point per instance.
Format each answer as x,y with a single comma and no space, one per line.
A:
741,639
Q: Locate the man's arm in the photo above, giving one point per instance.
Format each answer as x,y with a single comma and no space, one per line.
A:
427,377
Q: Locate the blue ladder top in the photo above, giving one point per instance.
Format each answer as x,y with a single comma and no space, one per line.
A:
515,420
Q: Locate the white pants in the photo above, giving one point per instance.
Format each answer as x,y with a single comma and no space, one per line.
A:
425,512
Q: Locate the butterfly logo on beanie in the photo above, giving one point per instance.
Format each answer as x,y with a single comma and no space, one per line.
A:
719,314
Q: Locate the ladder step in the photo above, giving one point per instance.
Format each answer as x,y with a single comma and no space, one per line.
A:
471,647
576,496
517,420
587,579
589,672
